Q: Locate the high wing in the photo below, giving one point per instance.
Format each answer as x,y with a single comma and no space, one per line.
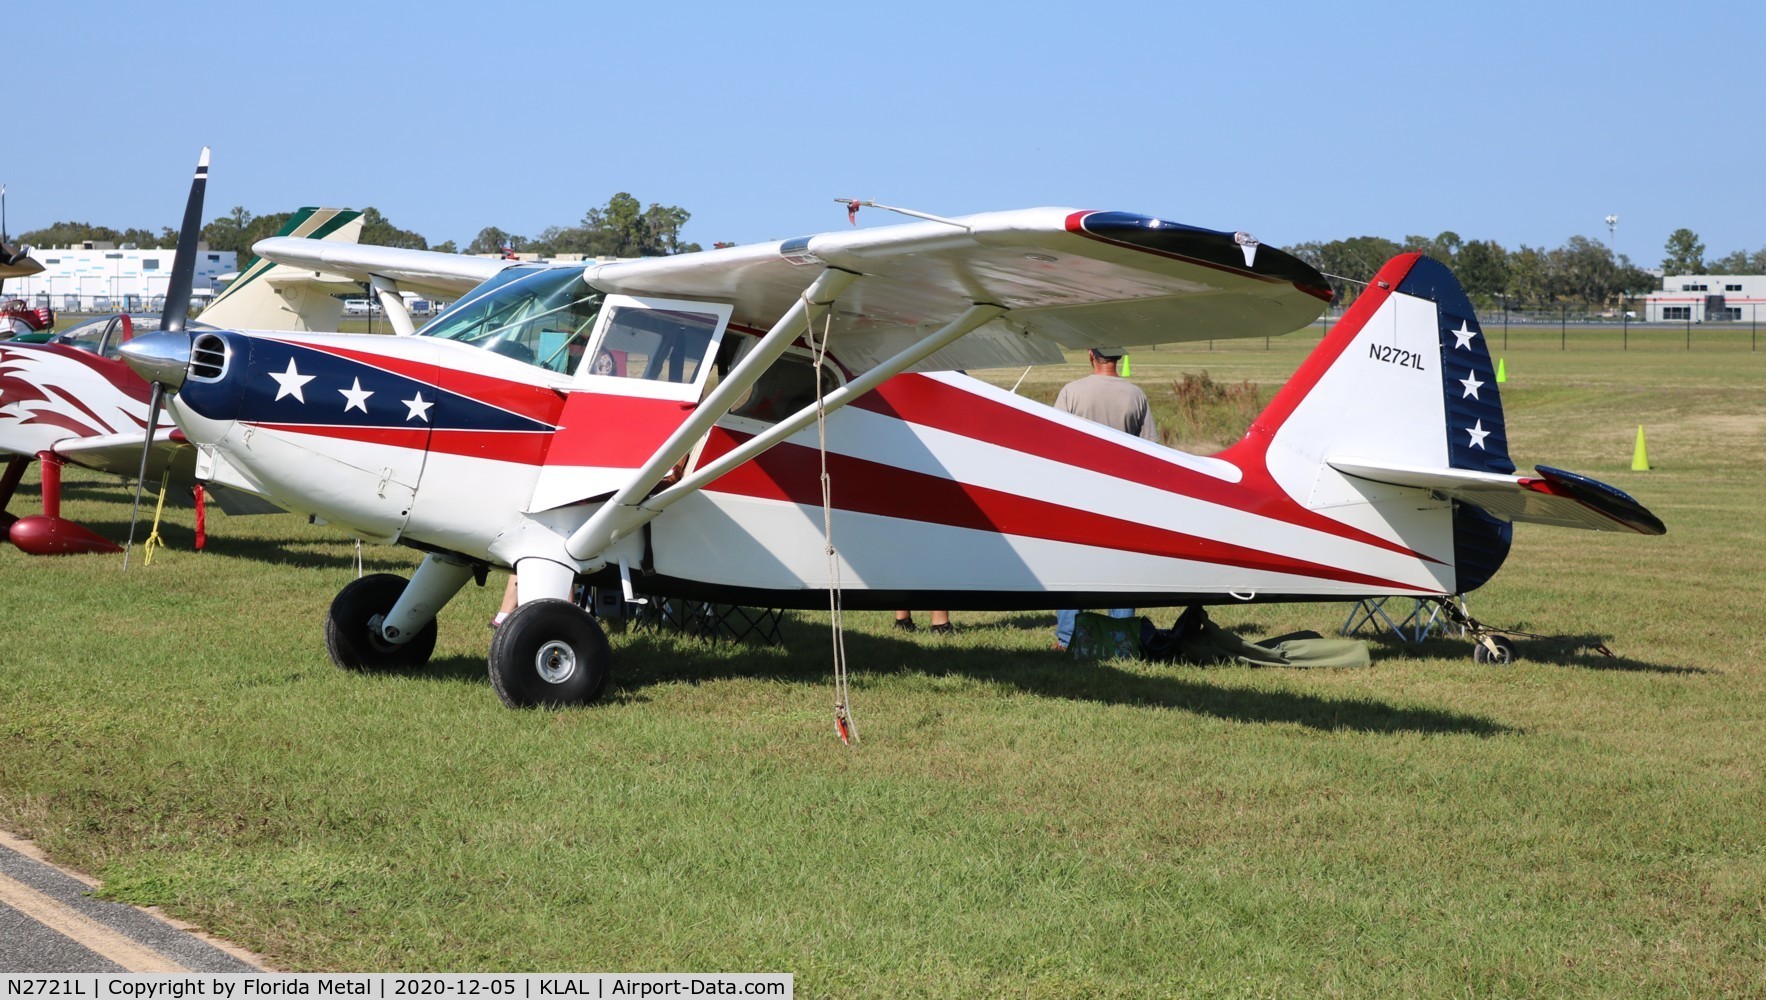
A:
429,272
1066,278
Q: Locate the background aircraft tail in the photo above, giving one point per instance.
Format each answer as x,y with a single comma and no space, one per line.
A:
269,296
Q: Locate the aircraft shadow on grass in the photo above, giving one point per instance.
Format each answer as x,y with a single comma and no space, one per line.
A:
331,551
302,553
1562,651
646,661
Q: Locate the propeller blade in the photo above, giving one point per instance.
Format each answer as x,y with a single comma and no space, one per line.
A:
153,404
160,358
184,264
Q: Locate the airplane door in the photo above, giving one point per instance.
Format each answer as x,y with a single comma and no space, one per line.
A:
643,374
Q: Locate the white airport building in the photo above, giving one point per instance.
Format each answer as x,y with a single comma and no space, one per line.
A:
1708,298
101,278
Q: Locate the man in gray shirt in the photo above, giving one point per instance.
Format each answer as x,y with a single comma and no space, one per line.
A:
1107,398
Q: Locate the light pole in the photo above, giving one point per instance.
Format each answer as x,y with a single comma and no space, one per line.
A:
1612,237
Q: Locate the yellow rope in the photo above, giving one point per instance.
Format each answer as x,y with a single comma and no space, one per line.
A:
153,538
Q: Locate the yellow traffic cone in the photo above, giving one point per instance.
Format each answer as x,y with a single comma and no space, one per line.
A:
1639,458
1125,366
1501,371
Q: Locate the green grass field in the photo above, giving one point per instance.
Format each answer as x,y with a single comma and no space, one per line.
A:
1013,823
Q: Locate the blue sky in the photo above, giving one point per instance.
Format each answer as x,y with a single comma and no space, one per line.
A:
1522,123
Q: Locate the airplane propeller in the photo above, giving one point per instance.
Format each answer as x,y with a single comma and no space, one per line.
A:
161,358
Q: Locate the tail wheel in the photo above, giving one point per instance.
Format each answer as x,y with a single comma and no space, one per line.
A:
354,646
1502,656
549,653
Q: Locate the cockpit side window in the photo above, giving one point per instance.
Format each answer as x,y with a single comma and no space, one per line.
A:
104,336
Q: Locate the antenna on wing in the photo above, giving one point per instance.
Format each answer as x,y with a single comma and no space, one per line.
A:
854,204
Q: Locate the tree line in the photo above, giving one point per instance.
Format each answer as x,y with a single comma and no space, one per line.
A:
621,228
1583,272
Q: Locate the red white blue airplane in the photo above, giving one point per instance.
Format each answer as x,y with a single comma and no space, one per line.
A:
758,424
72,400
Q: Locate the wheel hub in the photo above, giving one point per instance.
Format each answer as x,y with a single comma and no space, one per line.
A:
556,662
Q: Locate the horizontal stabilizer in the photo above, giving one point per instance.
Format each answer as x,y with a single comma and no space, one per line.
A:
1555,497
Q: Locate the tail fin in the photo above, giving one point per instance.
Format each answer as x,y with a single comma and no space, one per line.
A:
268,296
1404,376
1394,424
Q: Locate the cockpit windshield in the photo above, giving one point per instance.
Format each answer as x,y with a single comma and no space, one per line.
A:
542,317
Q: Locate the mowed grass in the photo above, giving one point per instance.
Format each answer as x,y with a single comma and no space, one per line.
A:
1012,822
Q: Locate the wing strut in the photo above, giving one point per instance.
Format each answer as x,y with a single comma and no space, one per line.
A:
621,514
393,304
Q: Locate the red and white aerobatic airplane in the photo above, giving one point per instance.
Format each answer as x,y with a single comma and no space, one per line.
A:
535,425
73,400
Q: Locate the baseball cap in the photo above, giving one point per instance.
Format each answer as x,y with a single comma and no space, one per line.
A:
1108,353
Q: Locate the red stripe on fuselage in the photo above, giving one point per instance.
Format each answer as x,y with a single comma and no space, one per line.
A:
792,473
931,403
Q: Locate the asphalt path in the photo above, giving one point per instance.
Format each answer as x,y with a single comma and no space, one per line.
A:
49,922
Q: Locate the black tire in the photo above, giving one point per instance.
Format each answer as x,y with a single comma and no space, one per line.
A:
1504,655
347,638
549,653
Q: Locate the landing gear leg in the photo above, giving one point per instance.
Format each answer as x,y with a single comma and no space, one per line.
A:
1487,645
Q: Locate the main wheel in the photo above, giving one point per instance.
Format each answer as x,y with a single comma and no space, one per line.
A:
353,646
1505,651
549,652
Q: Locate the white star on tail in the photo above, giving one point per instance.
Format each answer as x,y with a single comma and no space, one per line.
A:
1462,337
418,407
356,397
289,382
1472,385
1478,434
